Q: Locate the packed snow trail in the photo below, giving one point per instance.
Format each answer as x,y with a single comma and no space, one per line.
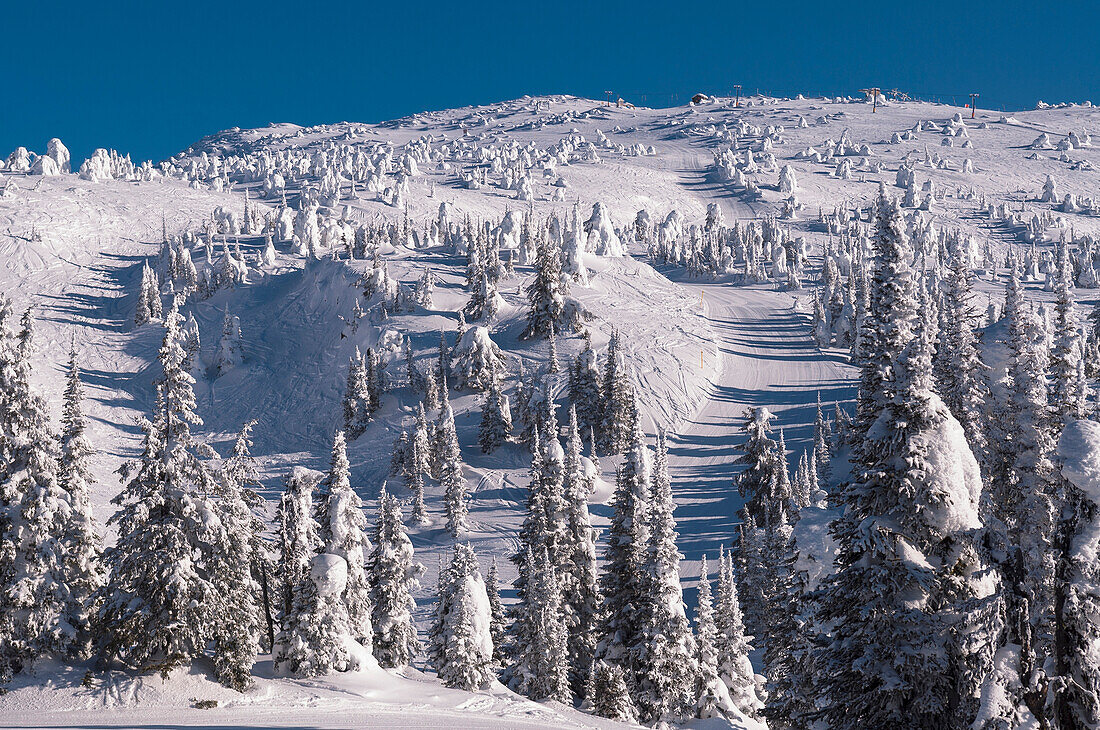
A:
769,359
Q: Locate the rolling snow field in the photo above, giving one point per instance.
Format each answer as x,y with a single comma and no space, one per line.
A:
701,346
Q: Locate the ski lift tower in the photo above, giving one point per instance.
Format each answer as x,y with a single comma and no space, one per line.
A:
973,104
874,93
737,99
608,97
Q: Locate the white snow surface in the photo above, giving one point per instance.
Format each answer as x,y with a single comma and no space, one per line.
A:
701,349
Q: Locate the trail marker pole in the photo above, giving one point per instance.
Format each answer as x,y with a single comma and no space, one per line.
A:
973,104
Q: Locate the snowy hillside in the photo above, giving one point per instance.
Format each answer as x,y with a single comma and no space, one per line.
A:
729,252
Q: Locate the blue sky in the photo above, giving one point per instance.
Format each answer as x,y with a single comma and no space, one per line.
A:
149,78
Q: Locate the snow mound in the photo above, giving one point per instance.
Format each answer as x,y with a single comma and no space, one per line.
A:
1079,448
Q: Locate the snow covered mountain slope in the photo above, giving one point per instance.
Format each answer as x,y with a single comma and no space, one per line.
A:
701,347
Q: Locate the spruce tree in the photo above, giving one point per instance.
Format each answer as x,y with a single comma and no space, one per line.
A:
580,589
448,459
618,401
342,532
584,386
665,655
607,694
394,574
299,537
83,546
39,612
356,397
622,580
906,536
734,666
496,419
962,381
461,648
540,667
160,597
546,293
497,627
711,696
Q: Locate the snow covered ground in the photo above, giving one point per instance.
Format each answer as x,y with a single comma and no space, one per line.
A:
702,348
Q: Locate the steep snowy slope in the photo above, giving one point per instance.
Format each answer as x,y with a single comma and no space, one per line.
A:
702,347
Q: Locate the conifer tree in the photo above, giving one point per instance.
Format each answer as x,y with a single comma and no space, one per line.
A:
608,695
315,640
83,546
622,581
230,352
584,386
711,696
461,647
497,627
1067,396
496,419
448,458
159,599
299,534
906,536
821,451
962,381
580,589
394,574
343,532
618,401
665,654
546,293
356,397
540,667
39,613
237,614
734,666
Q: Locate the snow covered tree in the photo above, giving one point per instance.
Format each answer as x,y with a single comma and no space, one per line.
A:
540,668
356,397
546,293
230,352
496,419
83,546
908,568
665,653
376,380
299,534
497,627
961,380
39,613
448,460
618,401
343,532
461,647
1068,394
149,305
417,464
159,600
821,453
622,582
580,589
476,360
734,666
316,640
712,698
237,613
762,481
584,386
607,694
394,574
